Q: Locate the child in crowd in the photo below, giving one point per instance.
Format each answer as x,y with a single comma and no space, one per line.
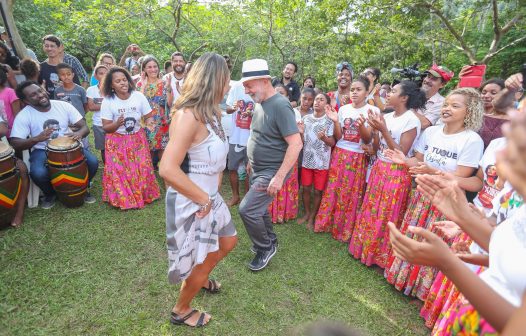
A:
94,102
343,196
317,132
71,92
30,69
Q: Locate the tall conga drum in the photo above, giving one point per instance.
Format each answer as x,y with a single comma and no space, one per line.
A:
10,183
68,170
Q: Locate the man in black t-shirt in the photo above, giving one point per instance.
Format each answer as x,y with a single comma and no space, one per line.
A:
290,84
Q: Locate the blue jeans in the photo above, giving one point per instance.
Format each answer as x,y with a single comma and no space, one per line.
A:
40,174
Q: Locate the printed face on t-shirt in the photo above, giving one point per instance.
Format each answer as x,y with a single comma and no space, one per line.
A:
244,114
54,125
54,78
350,131
250,108
491,172
129,124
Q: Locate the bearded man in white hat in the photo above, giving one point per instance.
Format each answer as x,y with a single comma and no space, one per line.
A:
273,149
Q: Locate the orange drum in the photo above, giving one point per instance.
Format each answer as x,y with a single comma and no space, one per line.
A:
10,183
68,170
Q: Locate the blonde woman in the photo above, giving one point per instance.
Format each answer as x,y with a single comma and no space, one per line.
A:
199,229
453,147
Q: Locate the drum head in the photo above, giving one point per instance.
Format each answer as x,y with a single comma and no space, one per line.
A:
5,150
63,143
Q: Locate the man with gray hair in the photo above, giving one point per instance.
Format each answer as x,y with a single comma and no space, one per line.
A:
273,149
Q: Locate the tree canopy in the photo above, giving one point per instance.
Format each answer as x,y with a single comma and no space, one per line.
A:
316,34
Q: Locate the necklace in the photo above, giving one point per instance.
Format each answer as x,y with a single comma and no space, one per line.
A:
217,128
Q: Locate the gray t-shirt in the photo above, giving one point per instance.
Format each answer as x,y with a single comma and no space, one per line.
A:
76,97
272,121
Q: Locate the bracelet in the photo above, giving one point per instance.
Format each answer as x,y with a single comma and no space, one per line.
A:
203,207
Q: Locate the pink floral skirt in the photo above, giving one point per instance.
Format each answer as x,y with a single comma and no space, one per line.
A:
414,280
128,181
463,320
439,292
384,201
343,195
284,207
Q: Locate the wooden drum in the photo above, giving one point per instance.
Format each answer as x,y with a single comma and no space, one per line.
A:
10,183
68,170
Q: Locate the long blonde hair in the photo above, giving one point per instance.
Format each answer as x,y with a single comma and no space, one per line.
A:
203,88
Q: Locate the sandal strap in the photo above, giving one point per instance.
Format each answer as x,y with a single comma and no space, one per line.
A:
212,285
201,320
180,319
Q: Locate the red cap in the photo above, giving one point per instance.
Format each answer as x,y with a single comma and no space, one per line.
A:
441,71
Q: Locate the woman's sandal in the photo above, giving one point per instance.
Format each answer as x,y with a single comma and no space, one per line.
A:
178,320
213,287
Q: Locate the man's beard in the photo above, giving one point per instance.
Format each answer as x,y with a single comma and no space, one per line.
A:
44,105
179,70
256,97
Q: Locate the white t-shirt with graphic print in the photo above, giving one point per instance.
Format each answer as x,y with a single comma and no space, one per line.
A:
31,122
491,184
447,151
132,108
316,153
347,116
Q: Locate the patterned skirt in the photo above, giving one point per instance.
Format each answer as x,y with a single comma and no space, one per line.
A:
464,320
128,181
189,239
384,201
453,299
439,292
343,195
284,207
414,280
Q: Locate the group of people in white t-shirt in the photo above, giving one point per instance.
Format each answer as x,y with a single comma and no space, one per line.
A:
427,136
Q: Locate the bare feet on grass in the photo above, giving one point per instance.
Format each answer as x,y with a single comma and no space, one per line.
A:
17,221
310,223
233,201
304,219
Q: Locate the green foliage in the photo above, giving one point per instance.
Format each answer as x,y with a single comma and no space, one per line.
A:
316,34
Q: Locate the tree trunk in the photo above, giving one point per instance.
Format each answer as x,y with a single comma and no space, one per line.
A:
10,27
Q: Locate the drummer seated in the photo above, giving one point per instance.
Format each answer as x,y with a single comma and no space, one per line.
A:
37,123
18,218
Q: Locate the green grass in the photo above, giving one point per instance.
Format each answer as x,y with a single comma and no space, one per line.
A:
101,271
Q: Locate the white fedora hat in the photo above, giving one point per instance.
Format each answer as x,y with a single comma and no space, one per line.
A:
254,69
